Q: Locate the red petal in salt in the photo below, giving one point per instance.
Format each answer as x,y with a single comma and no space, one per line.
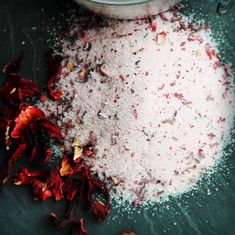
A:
88,150
43,98
56,94
161,37
153,25
210,52
178,96
217,64
163,16
135,113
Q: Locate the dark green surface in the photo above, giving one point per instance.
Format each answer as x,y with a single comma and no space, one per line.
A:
210,210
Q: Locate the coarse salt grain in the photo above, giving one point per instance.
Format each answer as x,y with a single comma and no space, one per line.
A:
152,104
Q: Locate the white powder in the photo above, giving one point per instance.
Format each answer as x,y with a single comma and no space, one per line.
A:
159,118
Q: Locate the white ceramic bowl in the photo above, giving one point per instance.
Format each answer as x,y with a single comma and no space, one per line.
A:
127,9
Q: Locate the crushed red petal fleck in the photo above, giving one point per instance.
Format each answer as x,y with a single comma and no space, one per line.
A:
163,16
153,25
210,52
43,98
217,64
122,77
135,113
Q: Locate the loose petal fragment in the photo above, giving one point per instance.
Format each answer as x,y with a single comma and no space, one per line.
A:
16,89
41,190
50,128
14,65
78,228
28,114
60,223
154,25
100,210
66,167
56,184
15,154
210,51
26,176
161,38
70,188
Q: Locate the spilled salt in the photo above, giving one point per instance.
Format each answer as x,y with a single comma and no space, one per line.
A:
156,106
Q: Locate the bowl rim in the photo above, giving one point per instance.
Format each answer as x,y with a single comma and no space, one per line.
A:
119,2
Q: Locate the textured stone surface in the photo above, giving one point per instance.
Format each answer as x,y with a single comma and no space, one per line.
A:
26,25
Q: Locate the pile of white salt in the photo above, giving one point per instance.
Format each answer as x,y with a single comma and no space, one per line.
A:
157,105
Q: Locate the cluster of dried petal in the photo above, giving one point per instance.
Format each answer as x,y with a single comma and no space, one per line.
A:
27,127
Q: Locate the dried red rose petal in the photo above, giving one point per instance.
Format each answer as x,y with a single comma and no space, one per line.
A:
27,115
41,190
70,188
3,128
45,183
41,153
87,150
86,188
30,125
26,176
60,223
14,65
100,210
16,89
15,154
90,185
32,129
50,128
56,184
66,167
68,220
78,228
